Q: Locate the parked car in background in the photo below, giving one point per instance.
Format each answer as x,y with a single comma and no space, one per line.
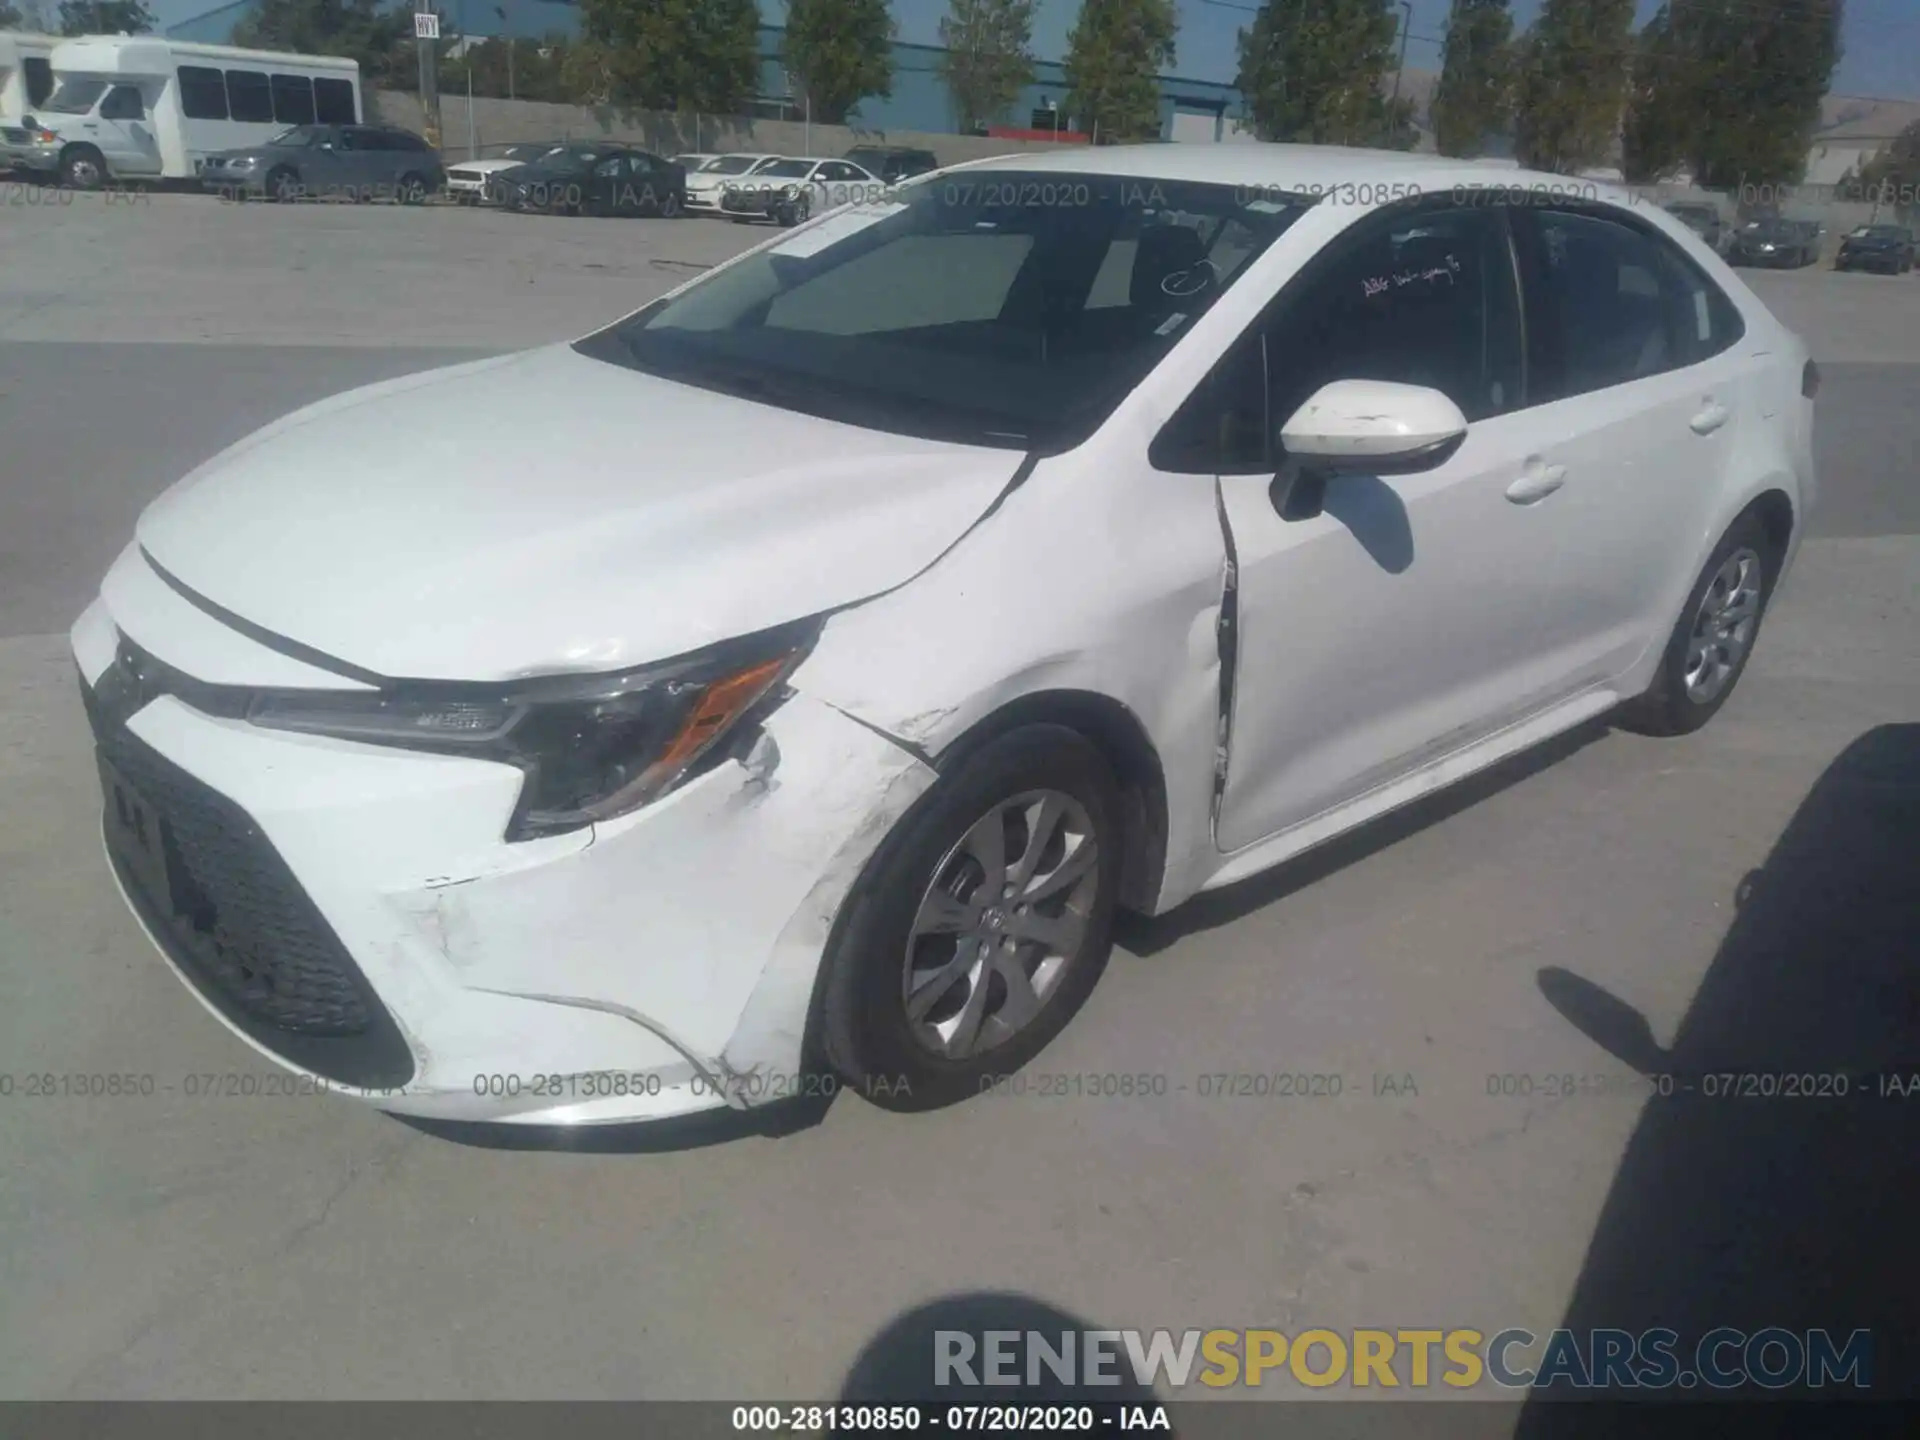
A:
892,163
723,696
328,162
467,181
790,190
705,186
142,108
693,160
1877,247
1703,219
596,180
1786,244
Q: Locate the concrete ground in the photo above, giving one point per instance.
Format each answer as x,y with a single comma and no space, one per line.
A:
1573,915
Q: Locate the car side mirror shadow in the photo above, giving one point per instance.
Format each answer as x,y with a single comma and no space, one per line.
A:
1362,427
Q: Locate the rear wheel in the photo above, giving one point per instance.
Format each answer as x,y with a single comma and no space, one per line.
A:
670,207
1708,650
412,189
980,926
283,185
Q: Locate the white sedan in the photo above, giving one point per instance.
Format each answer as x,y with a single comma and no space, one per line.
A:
467,181
705,185
790,190
871,618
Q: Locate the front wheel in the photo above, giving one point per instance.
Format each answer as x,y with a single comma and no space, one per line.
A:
795,211
980,926
83,168
283,186
1708,650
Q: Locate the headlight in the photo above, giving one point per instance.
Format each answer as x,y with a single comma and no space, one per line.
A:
789,191
592,747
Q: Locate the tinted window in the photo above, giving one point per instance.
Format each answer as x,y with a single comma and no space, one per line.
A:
248,97
960,313
123,103
1608,304
39,75
333,102
293,99
1422,298
203,93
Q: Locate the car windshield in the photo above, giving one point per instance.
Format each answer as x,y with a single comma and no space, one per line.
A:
787,169
523,152
299,135
1691,212
732,164
74,96
1015,309
566,160
1879,232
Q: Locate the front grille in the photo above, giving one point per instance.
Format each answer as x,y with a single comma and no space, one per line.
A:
239,924
465,176
13,136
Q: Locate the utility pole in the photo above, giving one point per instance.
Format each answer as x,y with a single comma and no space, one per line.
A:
426,31
1406,28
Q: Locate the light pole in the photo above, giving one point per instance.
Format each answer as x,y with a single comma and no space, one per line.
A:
1406,28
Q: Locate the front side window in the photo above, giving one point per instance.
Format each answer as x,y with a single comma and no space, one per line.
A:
1609,303
960,311
786,169
203,93
75,96
1421,297
123,103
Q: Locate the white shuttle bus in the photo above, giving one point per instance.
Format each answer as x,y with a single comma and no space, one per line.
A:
140,108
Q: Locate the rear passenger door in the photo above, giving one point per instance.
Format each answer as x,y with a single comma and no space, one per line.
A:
1639,394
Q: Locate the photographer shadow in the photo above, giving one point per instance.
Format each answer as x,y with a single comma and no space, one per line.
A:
1737,1204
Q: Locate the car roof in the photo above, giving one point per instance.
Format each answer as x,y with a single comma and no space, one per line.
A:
1319,169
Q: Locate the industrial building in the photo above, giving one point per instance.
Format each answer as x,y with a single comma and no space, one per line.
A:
1190,110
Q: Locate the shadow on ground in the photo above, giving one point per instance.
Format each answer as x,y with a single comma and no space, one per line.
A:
1754,1209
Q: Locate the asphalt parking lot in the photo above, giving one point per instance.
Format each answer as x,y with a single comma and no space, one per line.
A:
1591,911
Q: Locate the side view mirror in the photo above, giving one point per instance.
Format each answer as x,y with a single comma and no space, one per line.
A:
1364,427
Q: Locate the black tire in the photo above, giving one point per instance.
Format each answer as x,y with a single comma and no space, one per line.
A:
82,168
283,185
1666,708
670,206
795,211
411,189
863,1027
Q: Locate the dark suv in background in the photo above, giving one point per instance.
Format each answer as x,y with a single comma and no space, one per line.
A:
892,163
353,162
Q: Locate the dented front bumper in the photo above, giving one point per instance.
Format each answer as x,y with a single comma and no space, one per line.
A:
656,965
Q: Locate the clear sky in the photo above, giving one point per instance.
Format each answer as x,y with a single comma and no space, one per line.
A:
1881,41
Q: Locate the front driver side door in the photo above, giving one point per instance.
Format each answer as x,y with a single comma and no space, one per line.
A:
1397,624
126,133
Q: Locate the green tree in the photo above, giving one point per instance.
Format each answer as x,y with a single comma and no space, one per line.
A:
380,39
668,54
1116,53
1311,71
988,61
105,17
10,18
1572,73
1892,176
513,69
1474,99
839,52
1664,100
1763,66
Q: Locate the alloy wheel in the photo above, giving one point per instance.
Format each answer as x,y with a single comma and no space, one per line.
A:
1001,921
1723,626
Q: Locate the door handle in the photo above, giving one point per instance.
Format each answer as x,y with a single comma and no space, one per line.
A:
1711,417
1537,483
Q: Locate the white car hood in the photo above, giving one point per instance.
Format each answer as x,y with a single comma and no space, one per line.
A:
545,512
485,167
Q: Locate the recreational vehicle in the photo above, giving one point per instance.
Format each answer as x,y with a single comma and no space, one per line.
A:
26,79
140,108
